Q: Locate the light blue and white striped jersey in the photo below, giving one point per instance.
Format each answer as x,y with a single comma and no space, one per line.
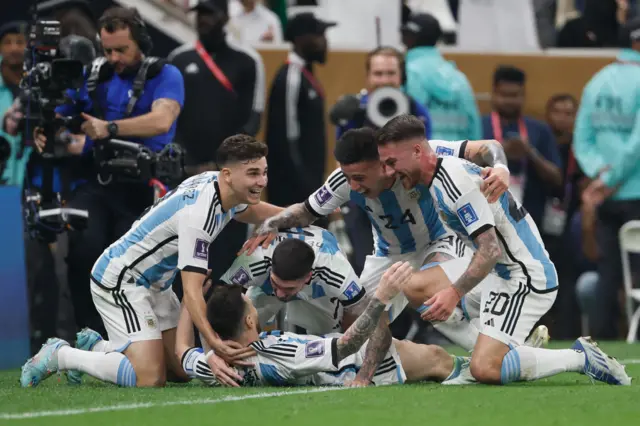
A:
332,276
456,188
289,359
173,234
403,220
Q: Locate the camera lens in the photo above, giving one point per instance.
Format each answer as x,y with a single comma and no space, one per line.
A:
388,107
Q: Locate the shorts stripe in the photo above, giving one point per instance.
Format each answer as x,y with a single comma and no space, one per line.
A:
130,316
512,329
116,299
515,306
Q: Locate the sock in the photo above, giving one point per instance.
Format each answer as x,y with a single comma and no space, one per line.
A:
194,363
101,346
109,367
526,363
459,330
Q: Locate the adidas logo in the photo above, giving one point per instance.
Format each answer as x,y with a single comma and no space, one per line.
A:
490,323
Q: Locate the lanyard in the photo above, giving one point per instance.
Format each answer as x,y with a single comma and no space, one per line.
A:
215,70
314,82
497,128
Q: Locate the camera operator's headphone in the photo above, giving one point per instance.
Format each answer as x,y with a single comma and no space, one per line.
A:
138,29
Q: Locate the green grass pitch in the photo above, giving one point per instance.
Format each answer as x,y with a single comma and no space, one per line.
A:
567,399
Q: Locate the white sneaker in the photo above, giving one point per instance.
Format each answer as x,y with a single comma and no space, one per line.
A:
600,366
462,373
539,338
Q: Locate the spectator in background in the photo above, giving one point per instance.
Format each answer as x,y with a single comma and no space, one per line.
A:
598,24
12,44
607,147
531,149
296,133
254,23
437,84
224,96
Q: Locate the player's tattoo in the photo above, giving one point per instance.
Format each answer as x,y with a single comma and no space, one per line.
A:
489,154
168,104
482,262
360,330
437,257
293,216
377,348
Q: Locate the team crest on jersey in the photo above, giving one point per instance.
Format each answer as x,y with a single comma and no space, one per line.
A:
201,250
352,290
414,194
151,321
314,349
442,150
467,214
323,195
241,277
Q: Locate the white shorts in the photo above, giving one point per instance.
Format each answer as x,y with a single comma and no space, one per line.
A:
507,309
317,316
135,313
375,267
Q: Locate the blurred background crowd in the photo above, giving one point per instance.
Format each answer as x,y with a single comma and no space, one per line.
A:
510,70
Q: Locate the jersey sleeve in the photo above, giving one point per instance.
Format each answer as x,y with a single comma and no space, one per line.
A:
462,199
248,270
194,239
350,292
451,148
333,194
171,85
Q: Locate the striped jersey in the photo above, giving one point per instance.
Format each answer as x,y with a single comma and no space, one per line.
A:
288,359
332,276
456,188
173,234
403,220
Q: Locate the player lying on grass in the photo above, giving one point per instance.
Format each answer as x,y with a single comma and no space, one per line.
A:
131,281
286,359
519,280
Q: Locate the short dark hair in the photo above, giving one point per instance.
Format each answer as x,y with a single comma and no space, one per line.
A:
562,97
509,74
118,18
401,128
356,145
292,259
225,309
385,51
240,148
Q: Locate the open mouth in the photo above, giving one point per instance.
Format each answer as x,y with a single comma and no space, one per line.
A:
255,191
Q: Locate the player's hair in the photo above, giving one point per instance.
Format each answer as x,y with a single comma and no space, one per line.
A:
509,74
240,148
356,145
391,52
401,128
225,309
292,259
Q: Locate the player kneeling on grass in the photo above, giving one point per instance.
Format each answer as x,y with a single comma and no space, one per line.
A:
520,281
286,359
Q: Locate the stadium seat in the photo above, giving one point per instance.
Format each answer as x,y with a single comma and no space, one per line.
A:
630,243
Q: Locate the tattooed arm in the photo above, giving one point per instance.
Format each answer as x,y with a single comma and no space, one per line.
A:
483,261
487,153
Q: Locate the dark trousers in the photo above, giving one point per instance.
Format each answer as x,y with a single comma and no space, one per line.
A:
112,211
612,215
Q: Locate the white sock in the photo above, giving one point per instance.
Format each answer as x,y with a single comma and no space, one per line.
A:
459,330
109,367
527,363
194,363
101,346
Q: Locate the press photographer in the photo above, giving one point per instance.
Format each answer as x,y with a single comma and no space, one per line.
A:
382,100
135,99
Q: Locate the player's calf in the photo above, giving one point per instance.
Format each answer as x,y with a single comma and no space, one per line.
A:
148,361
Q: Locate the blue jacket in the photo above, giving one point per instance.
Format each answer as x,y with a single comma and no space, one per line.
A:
445,91
416,109
607,129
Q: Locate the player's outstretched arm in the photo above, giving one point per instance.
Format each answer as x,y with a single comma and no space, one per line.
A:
392,282
291,217
258,213
490,154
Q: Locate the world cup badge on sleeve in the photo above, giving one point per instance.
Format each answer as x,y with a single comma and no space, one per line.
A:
467,214
201,250
241,277
323,195
314,349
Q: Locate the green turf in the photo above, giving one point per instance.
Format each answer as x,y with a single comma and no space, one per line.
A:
567,399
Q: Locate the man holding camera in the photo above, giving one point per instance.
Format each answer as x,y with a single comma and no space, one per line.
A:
384,70
113,106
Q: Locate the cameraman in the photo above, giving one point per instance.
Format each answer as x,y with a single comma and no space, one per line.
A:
384,66
115,206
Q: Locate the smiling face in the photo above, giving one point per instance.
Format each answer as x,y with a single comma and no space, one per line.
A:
403,159
366,177
247,179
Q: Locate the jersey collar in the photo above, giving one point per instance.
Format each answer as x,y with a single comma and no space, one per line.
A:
435,171
217,187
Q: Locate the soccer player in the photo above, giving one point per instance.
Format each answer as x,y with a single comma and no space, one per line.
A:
131,281
304,268
406,225
286,359
520,281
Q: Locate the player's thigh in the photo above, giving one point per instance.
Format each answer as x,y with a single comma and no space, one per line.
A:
510,309
424,283
148,360
166,307
423,362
